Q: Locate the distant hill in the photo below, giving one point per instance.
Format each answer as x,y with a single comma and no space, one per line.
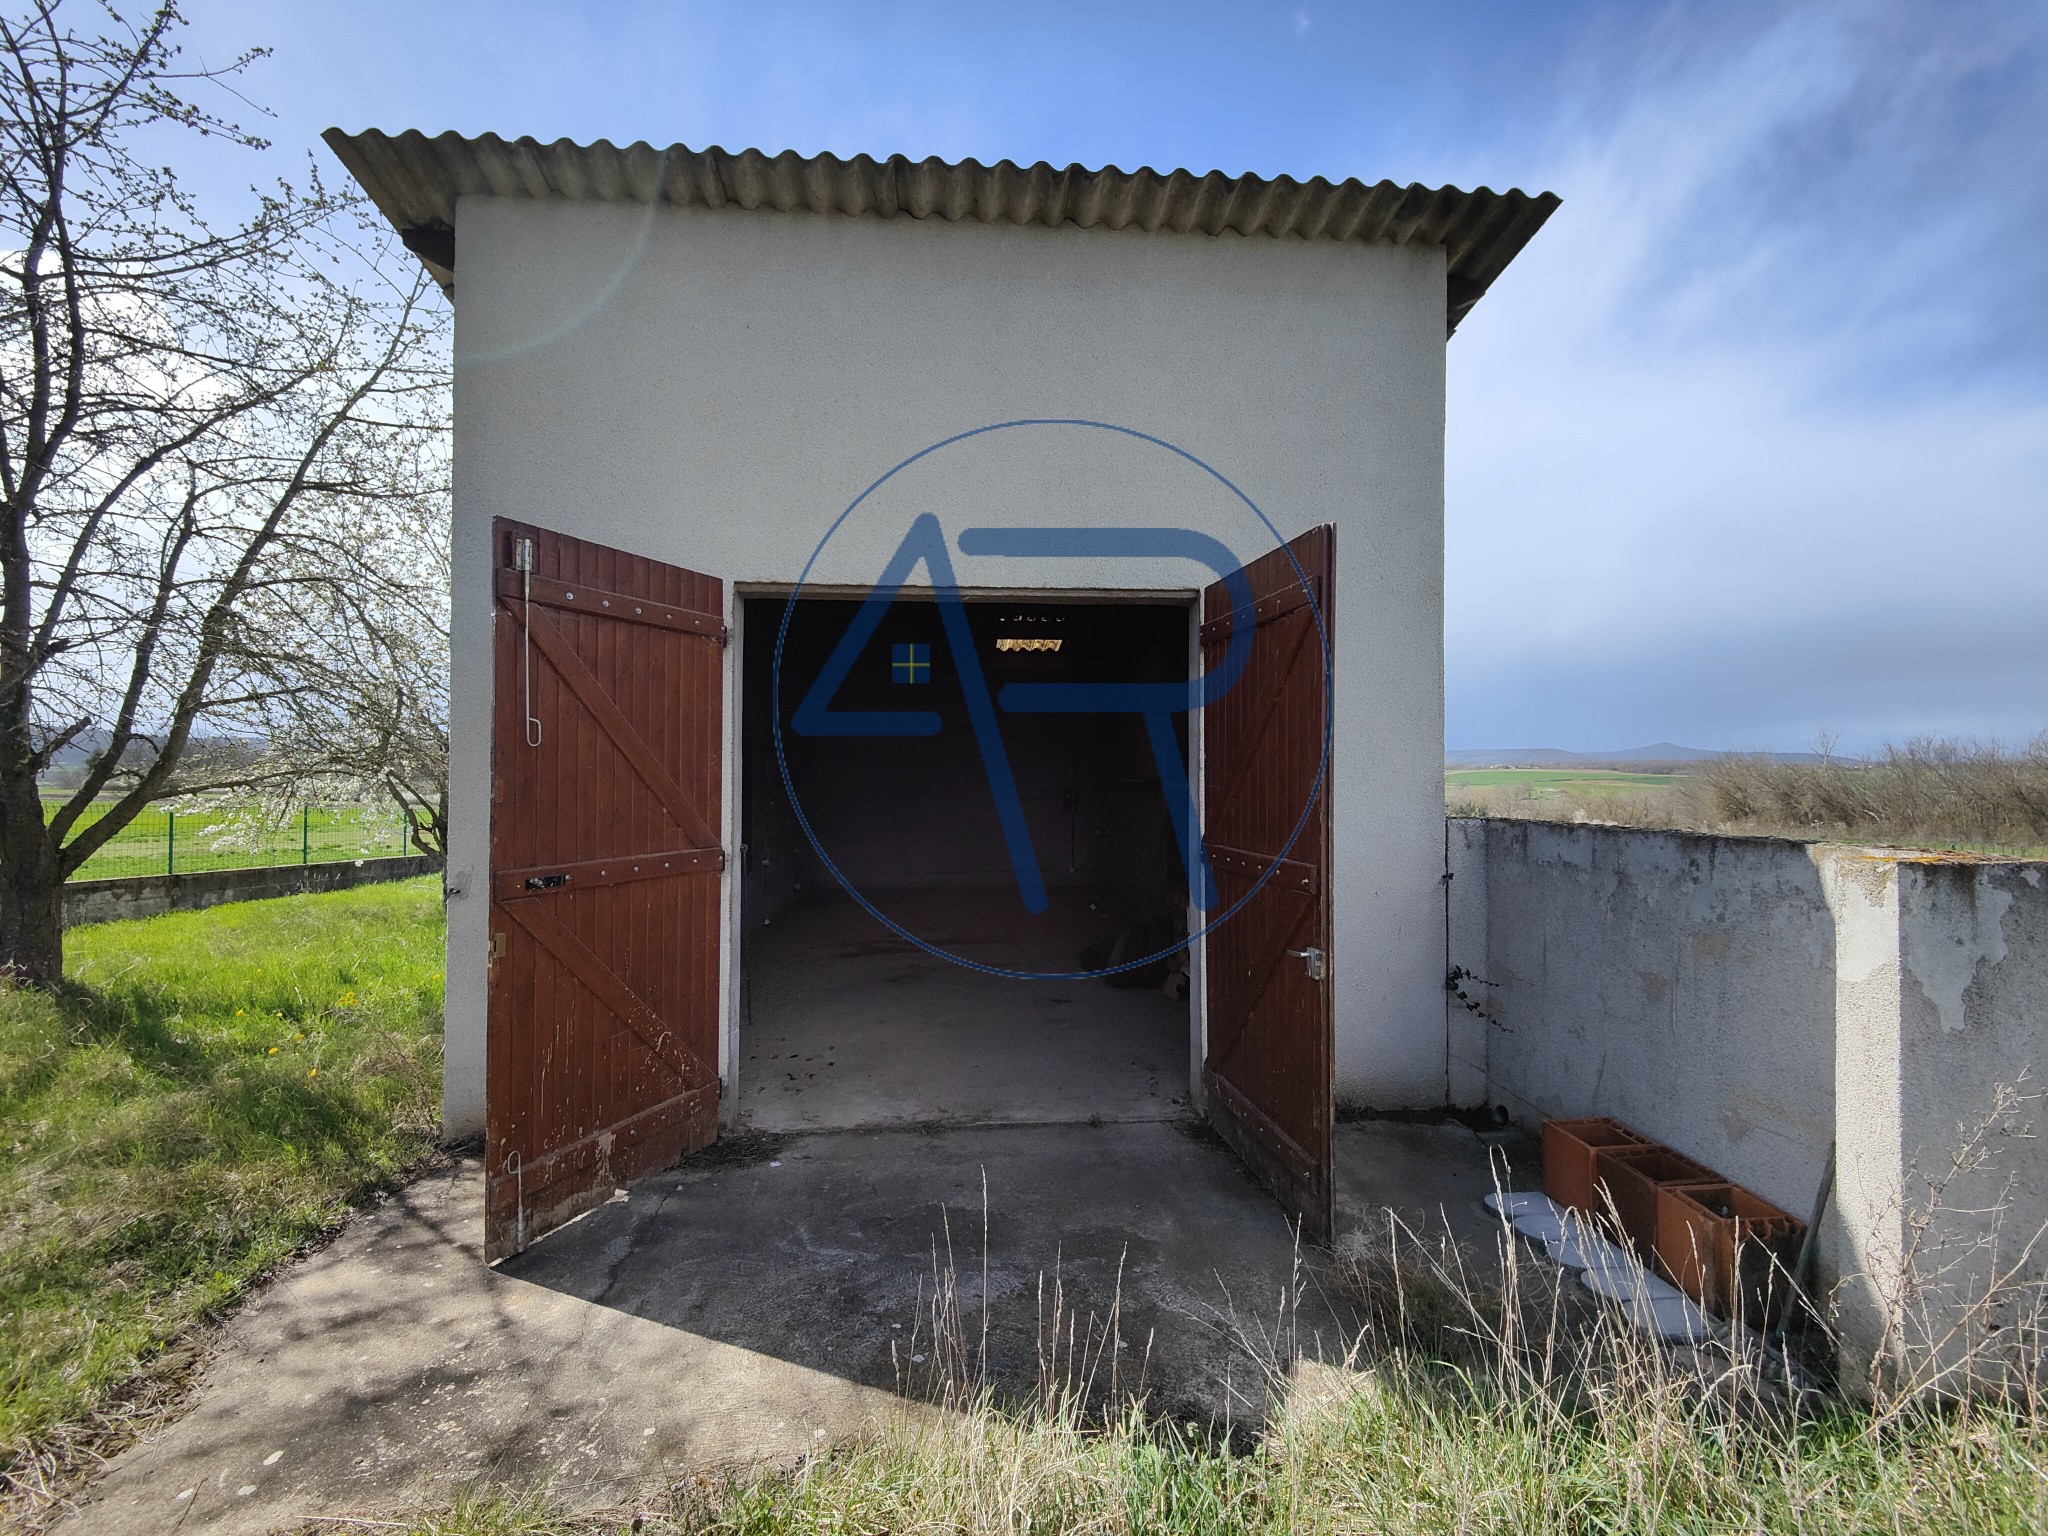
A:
1662,752
67,767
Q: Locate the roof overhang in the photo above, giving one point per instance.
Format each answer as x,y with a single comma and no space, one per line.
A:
415,181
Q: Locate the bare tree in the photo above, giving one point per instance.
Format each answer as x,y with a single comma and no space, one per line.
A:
194,423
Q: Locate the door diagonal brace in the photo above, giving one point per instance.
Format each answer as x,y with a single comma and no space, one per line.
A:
554,645
584,964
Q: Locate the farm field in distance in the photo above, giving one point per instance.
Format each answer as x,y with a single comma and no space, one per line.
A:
1554,778
1570,794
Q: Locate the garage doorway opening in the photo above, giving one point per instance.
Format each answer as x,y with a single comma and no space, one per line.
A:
843,1022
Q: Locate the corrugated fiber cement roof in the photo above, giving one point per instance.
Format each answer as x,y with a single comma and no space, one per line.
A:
415,180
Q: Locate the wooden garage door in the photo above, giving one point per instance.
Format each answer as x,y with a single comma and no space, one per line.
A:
1268,1069
605,886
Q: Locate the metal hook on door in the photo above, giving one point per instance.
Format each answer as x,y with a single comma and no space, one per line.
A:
1311,961
522,562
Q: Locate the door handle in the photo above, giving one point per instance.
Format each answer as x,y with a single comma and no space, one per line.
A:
1311,961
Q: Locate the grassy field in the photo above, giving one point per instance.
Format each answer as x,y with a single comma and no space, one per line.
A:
209,1092
1553,778
1569,794
233,836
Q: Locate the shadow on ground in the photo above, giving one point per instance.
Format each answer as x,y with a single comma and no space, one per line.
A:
1118,1258
754,1308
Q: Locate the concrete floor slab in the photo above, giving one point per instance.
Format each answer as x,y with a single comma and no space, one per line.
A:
848,1025
742,1307
1433,1175
826,1250
393,1368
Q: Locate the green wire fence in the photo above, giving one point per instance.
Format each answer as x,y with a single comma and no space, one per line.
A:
184,842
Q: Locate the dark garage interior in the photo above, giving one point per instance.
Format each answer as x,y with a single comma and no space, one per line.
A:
845,1022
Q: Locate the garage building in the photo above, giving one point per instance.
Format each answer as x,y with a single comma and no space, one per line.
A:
937,643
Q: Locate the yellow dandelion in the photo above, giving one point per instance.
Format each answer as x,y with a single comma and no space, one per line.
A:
273,1050
312,1071
240,1011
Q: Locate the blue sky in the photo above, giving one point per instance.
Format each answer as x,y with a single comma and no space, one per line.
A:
1752,442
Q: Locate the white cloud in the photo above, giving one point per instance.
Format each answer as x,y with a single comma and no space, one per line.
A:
1704,433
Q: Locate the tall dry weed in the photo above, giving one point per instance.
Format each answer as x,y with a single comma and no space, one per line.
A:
1957,1276
1930,790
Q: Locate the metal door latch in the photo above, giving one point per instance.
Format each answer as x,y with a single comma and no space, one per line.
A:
522,562
1311,961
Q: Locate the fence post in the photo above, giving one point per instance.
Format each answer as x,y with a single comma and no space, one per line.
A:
305,834
170,842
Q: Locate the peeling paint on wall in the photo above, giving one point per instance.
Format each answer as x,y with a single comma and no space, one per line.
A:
1943,957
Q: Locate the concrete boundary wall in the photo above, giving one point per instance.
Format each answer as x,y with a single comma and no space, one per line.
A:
1753,1002
105,901
1941,1048
1683,984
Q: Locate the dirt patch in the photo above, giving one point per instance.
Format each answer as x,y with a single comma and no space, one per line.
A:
1475,1117
742,1149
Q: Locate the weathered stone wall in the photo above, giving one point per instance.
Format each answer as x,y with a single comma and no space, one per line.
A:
104,901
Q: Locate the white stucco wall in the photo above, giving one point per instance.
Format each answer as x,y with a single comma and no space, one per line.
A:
711,388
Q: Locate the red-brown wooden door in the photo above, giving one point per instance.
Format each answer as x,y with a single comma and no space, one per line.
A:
1268,1069
602,1061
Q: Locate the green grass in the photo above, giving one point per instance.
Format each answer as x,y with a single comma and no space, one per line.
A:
208,1092
1411,1448
230,835
1553,778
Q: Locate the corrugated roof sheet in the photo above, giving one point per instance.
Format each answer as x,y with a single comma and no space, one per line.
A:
415,181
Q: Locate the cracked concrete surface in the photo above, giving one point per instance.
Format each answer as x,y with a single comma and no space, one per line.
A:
740,1309
393,1367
